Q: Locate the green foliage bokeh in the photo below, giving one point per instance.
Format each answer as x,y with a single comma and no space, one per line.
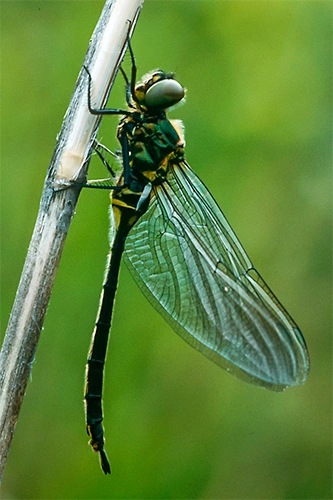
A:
258,131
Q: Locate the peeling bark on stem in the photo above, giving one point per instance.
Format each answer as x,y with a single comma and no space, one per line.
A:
104,55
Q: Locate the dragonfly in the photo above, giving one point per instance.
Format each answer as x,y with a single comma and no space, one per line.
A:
184,256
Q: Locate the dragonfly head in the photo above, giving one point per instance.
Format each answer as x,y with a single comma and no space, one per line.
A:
158,91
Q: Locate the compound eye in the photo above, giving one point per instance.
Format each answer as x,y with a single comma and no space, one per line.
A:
164,93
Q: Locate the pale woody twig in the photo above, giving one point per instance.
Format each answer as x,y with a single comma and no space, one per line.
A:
57,206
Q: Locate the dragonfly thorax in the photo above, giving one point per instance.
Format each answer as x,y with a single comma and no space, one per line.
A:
154,144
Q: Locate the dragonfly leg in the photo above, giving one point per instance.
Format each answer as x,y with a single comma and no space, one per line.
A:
97,146
130,85
125,155
134,69
101,111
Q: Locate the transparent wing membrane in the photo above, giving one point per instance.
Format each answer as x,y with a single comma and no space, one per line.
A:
190,265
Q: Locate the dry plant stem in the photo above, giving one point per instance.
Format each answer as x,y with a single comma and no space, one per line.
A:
57,206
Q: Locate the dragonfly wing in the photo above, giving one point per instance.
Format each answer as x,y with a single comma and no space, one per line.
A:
190,265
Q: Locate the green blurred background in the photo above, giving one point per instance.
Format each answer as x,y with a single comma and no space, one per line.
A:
258,131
